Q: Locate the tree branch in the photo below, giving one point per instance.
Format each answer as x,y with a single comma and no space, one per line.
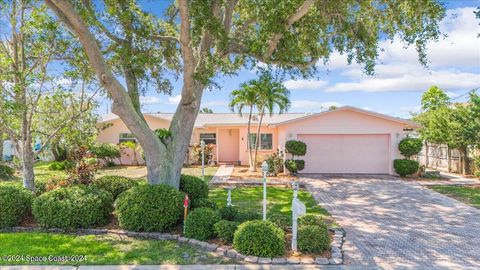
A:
103,28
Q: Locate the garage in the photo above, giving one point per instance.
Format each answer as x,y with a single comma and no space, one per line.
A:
346,153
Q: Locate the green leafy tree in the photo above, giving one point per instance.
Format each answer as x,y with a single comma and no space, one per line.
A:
434,98
32,41
220,37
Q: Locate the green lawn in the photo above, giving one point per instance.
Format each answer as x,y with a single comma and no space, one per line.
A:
100,249
466,194
279,200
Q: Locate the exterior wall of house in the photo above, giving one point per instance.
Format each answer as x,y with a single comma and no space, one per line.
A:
346,122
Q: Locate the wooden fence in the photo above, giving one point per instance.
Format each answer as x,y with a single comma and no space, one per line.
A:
443,158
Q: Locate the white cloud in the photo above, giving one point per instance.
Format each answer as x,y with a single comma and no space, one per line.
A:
309,105
412,109
174,100
149,100
305,84
452,94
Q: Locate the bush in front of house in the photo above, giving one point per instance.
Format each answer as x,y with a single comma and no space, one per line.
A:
15,204
232,213
107,152
114,184
195,187
60,165
205,202
275,164
149,208
200,224
259,238
208,153
228,213
296,148
225,230
313,238
6,172
405,167
410,146
310,219
283,222
73,207
294,165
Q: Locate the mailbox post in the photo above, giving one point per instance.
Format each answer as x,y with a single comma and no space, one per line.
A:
298,209
264,170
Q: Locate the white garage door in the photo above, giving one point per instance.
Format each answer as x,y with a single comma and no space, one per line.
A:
346,153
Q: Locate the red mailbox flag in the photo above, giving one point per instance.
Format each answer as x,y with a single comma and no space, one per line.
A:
186,201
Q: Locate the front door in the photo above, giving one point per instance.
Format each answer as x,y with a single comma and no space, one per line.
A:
228,145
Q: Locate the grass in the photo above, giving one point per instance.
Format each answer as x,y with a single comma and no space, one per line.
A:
98,249
467,194
279,200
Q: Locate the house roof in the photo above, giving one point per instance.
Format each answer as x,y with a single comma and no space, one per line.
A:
233,119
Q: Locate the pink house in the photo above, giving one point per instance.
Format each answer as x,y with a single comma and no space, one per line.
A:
343,140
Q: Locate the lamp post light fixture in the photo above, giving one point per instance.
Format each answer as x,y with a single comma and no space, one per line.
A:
202,145
264,170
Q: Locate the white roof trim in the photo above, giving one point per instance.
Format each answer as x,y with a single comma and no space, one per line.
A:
355,109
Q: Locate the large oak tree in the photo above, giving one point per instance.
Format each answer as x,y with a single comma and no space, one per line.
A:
216,37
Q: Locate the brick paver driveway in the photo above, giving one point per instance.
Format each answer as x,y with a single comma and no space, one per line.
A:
394,224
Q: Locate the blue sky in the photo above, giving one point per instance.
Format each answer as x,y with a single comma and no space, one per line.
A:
395,89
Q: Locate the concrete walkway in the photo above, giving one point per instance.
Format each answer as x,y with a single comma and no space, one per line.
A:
222,175
396,224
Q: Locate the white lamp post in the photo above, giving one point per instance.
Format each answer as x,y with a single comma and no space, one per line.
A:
298,209
264,170
202,145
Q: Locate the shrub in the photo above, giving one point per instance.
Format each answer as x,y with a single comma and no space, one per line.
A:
84,168
309,219
207,203
73,207
60,165
283,222
228,213
275,164
405,167
259,238
115,184
313,238
208,152
293,166
225,230
200,222
106,152
6,171
246,215
195,187
410,147
15,203
296,148
149,208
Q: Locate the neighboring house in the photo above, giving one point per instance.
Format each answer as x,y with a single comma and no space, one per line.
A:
343,140
8,150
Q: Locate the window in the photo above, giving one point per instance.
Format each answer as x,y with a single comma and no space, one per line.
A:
266,142
125,137
208,138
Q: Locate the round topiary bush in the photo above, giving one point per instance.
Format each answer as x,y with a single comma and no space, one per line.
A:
311,219
283,222
293,166
259,238
195,187
206,203
115,184
73,207
410,146
149,208
225,230
228,213
296,148
6,171
247,215
15,204
200,222
313,238
405,167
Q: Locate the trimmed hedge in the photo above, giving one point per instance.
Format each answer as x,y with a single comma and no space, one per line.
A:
232,213
60,165
283,222
15,204
115,184
195,187
259,238
410,146
200,222
313,238
228,213
73,207
296,148
405,167
225,230
6,171
294,165
310,219
149,208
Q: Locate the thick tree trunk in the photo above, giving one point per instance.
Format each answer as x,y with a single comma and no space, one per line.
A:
181,127
132,89
28,159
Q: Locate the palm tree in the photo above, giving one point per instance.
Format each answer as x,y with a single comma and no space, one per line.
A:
266,95
271,95
245,97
